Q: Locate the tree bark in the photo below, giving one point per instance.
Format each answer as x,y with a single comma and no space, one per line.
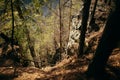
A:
61,25
85,16
30,45
32,51
93,12
108,42
12,35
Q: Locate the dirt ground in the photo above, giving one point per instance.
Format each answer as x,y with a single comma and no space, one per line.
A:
68,69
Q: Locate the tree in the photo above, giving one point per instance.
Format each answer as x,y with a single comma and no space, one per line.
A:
108,42
92,23
61,25
64,19
93,12
19,6
12,36
85,16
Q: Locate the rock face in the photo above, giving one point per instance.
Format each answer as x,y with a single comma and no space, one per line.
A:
74,31
73,42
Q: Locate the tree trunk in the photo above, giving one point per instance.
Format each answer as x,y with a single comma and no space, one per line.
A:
12,36
85,16
92,24
69,25
30,45
107,43
61,25
32,51
93,12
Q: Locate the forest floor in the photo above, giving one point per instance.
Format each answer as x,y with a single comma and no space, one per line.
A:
68,69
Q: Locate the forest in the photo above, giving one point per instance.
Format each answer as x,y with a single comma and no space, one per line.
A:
59,40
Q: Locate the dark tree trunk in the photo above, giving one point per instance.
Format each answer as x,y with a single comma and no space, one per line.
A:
93,12
108,42
92,24
85,16
12,37
61,27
